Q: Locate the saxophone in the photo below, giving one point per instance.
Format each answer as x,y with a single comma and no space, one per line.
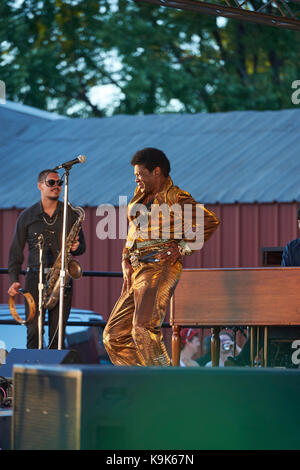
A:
73,267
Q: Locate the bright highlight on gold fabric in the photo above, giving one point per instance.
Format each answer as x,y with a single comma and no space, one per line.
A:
133,335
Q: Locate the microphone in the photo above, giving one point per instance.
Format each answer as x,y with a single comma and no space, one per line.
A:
79,159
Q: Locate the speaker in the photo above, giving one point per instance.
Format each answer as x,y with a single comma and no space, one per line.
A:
271,256
87,343
5,428
38,356
108,407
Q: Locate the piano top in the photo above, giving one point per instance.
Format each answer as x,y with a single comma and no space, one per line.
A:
237,296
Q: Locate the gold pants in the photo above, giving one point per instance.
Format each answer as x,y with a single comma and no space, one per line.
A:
132,335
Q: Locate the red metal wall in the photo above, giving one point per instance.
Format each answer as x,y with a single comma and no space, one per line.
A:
244,230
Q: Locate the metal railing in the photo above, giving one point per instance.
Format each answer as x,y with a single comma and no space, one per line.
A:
85,273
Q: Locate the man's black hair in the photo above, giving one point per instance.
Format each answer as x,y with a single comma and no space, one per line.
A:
43,175
151,158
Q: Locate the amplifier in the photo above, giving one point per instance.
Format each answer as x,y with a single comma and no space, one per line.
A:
36,357
5,428
271,256
107,407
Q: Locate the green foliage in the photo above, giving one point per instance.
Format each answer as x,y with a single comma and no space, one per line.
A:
53,52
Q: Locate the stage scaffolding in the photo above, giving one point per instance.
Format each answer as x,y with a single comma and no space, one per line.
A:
278,13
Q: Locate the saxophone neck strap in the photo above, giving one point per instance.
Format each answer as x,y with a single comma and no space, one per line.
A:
31,306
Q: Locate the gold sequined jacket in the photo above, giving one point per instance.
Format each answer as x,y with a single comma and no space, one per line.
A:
174,215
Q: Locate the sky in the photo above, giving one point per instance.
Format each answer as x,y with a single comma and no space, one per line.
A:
106,96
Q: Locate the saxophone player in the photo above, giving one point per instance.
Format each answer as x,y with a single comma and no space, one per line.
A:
46,218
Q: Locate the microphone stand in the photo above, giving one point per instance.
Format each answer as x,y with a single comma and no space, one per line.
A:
63,262
41,288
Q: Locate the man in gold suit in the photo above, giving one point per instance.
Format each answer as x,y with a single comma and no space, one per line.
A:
165,224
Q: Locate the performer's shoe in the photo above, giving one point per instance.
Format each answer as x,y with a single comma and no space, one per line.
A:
235,362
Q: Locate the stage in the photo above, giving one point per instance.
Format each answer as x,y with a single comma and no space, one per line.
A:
87,407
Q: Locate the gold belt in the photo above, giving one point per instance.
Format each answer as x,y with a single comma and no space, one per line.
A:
151,243
143,248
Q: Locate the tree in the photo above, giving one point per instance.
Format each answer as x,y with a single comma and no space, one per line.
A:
54,52
52,55
205,67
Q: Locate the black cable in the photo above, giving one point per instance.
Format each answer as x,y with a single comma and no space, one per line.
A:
55,332
4,379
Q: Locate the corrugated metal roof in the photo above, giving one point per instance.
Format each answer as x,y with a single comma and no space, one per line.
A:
244,157
16,117
28,111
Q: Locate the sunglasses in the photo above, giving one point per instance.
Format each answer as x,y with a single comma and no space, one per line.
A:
51,183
